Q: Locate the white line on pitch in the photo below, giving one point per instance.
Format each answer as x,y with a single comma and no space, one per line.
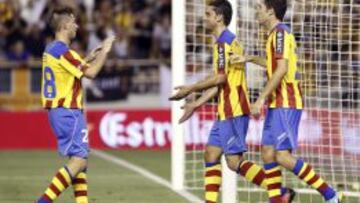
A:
161,181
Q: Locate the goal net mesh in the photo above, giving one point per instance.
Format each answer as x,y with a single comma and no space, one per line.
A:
328,39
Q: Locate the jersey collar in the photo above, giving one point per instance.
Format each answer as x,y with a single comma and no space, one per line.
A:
226,37
281,26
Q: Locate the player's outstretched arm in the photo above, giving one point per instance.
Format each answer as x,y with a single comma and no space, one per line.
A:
236,59
210,81
99,59
270,86
189,108
182,92
257,60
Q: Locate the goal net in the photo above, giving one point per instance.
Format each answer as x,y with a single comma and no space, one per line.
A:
328,39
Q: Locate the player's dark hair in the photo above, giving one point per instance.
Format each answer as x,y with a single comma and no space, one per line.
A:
279,7
57,16
223,7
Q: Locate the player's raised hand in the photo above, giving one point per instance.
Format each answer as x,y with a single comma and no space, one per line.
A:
189,109
92,55
107,43
182,92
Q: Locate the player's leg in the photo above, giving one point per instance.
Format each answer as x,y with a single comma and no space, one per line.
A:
306,173
80,187
257,175
70,129
287,141
213,152
212,173
247,169
273,174
268,155
63,179
233,134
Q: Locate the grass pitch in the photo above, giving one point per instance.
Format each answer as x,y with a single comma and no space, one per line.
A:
24,175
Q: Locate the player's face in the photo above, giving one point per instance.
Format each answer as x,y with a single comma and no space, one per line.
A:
210,18
261,12
71,26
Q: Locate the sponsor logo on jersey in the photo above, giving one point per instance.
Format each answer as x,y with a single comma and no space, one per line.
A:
221,54
279,42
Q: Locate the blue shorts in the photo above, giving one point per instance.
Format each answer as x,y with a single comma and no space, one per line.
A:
230,135
69,126
281,128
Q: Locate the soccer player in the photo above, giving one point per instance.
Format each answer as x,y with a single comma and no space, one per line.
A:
62,96
285,103
229,84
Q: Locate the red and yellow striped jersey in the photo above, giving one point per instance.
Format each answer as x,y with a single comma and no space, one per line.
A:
62,69
281,45
233,98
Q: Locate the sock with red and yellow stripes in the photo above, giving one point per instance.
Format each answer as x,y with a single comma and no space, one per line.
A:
80,187
273,179
306,173
212,181
253,173
59,183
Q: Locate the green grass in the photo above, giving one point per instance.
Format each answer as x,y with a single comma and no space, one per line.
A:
25,174
157,162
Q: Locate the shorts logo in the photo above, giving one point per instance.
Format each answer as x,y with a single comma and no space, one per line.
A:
230,141
282,136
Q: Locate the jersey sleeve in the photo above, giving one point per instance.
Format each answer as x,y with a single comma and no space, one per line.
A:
73,63
281,44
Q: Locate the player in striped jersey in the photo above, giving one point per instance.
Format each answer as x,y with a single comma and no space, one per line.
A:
285,104
228,83
62,97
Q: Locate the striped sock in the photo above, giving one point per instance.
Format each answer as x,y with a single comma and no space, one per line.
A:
212,181
253,173
306,173
273,179
59,183
80,188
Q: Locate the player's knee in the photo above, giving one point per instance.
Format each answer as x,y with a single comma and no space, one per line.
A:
77,164
211,155
233,162
282,157
268,155
83,164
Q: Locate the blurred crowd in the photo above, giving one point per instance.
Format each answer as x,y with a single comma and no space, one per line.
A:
327,34
142,27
